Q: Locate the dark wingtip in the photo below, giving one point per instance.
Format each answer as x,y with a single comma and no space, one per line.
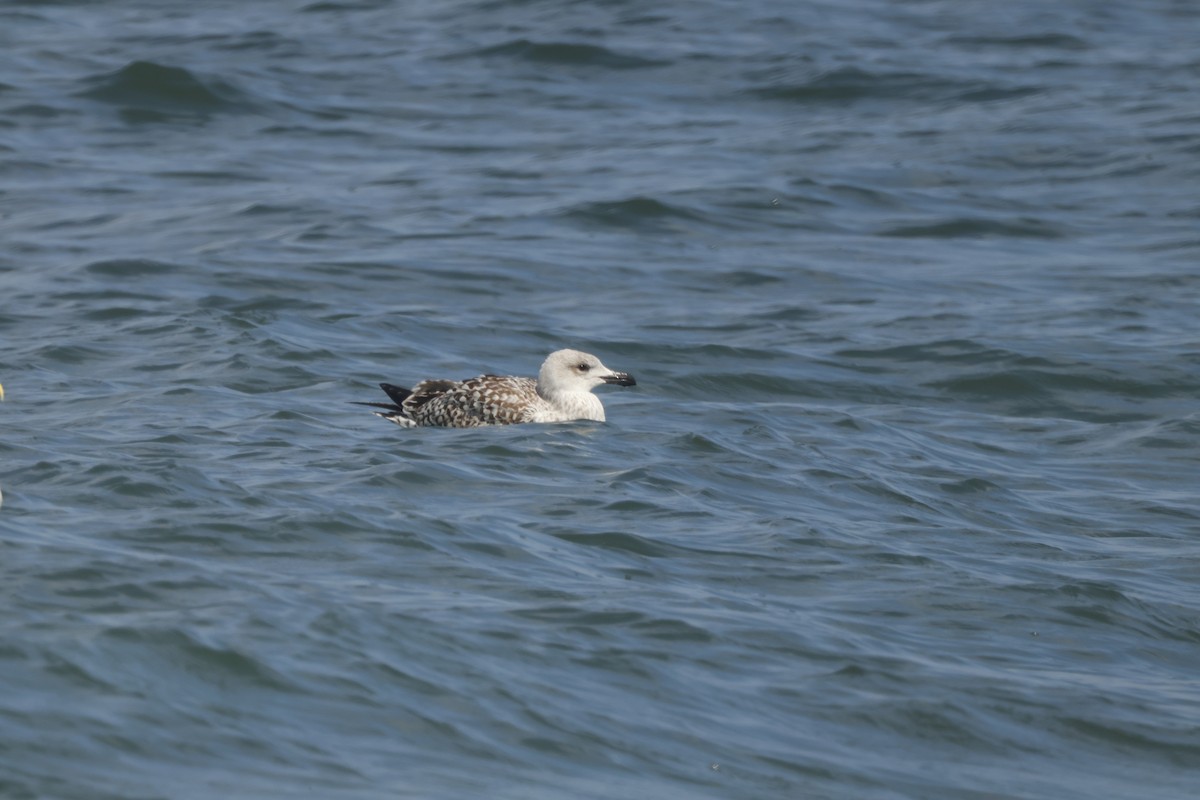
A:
397,393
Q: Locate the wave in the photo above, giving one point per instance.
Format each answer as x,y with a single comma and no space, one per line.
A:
146,91
567,53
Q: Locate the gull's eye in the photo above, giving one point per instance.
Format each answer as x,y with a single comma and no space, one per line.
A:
583,366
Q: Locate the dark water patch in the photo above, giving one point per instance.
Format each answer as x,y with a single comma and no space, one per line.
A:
269,210
15,167
70,354
860,195
742,387
131,268
37,110
1100,593
943,351
91,221
698,443
1077,378
205,661
1024,393
746,278
1188,244
331,7
1047,41
712,354
619,542
566,54
977,228
718,331
990,94
578,615
261,305
851,85
148,92
116,314
718,282
635,213
671,630
936,722
792,314
970,486
1157,742
220,176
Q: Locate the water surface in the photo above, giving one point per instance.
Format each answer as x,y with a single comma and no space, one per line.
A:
903,505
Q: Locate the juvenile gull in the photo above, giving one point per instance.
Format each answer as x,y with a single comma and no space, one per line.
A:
561,393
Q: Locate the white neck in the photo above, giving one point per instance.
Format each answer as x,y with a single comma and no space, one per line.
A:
573,405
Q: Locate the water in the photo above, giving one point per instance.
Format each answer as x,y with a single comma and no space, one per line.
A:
904,502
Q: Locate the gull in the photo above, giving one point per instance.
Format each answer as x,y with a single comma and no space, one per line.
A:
562,392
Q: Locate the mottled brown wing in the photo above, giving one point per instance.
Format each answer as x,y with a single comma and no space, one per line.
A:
426,391
486,400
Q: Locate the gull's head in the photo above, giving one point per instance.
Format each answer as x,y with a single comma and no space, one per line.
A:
566,371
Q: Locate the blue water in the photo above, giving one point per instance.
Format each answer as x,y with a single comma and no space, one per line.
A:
902,506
